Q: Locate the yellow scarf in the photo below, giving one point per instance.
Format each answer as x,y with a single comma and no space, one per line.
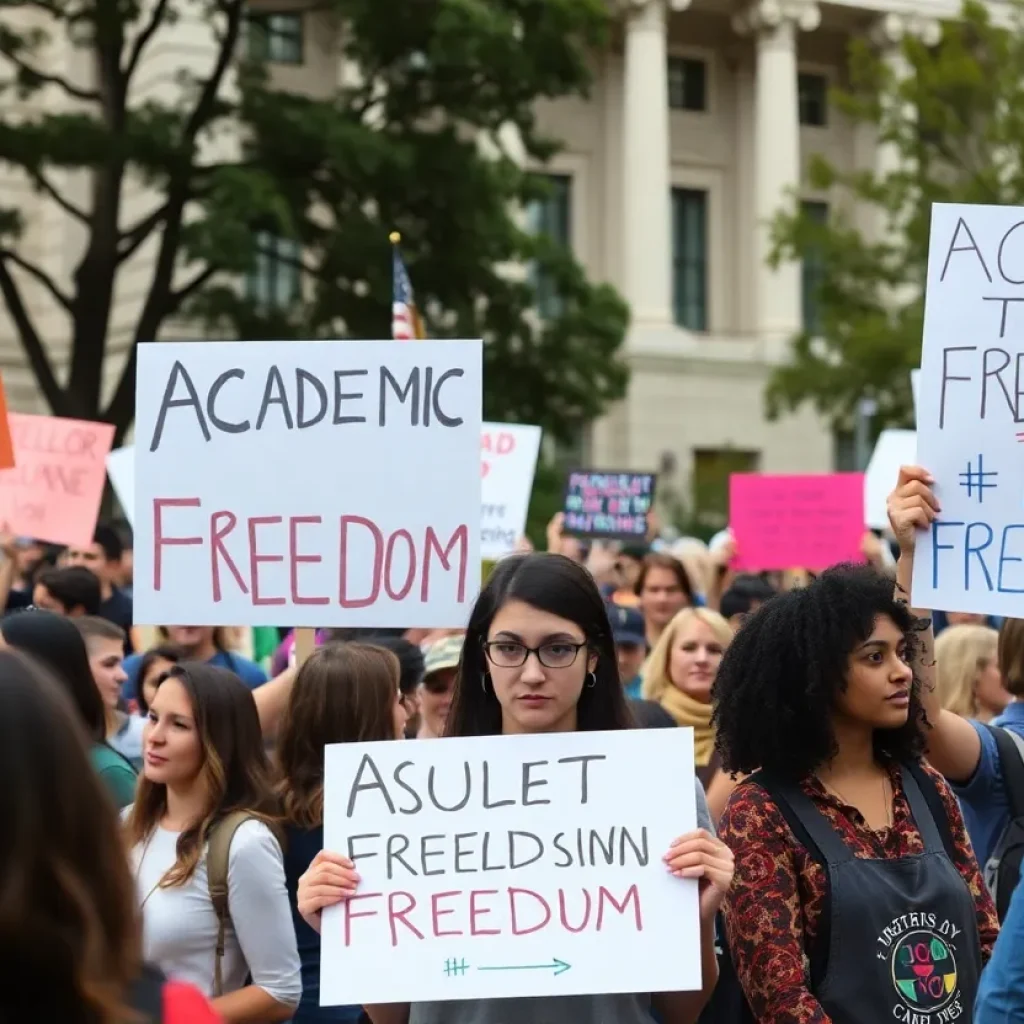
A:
689,712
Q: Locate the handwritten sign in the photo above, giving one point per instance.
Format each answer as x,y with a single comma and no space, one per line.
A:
893,449
915,388
608,504
53,492
970,413
308,483
510,866
6,442
508,461
784,522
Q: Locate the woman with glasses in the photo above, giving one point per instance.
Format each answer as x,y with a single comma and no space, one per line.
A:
539,658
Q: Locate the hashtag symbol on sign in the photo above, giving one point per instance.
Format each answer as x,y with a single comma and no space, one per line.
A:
975,481
455,968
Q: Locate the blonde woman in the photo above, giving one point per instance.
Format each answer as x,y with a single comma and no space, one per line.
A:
969,681
679,676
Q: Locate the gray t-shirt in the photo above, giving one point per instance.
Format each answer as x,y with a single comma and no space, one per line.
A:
594,1009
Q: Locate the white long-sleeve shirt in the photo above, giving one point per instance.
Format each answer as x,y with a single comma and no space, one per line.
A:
180,926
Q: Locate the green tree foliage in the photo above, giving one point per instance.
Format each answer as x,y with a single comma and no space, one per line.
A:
397,145
957,123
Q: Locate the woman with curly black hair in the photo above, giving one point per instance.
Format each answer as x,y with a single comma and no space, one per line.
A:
857,897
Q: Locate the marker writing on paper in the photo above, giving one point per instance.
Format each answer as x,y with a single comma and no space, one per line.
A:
974,555
307,401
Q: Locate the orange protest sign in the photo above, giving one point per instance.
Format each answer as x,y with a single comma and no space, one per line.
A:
53,492
6,445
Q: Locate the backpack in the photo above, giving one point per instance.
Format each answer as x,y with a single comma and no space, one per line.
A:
728,1004
1002,869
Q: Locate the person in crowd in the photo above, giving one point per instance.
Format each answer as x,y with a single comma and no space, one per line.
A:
681,672
73,591
663,589
700,566
153,666
103,558
539,630
964,750
200,643
344,693
844,840
440,669
1001,993
411,666
125,580
561,543
104,643
630,646
21,559
745,595
204,761
968,677
628,563
68,923
54,640
941,621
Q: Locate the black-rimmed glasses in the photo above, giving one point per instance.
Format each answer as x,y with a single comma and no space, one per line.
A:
510,654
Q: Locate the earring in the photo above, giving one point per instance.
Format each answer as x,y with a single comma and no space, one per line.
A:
483,681
592,680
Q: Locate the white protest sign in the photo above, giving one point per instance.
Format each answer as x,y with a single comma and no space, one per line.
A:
915,388
508,461
504,866
893,449
308,483
972,559
121,470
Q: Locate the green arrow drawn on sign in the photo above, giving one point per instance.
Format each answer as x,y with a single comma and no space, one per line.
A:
556,965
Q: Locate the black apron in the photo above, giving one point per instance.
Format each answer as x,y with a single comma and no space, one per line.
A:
903,941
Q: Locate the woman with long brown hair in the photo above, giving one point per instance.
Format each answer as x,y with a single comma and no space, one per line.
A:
344,693
202,827
69,926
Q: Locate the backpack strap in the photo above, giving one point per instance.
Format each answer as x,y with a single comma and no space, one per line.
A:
147,994
218,852
1011,765
932,797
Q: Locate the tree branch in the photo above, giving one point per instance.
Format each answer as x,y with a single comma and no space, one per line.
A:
30,340
40,275
143,39
87,95
137,234
232,9
187,290
50,189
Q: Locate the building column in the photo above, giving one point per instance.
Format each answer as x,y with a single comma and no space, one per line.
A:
774,25
647,210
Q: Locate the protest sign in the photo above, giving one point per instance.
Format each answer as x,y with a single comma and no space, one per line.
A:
969,411
915,388
510,866
53,492
784,522
6,443
893,449
608,504
508,461
121,470
308,483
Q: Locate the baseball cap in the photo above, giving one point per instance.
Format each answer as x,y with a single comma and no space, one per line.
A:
627,625
443,654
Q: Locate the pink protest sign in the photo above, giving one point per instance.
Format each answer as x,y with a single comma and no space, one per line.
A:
785,522
53,492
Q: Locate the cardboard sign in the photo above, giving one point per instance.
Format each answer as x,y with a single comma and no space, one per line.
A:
785,522
970,414
610,504
505,866
893,449
308,483
6,442
121,470
53,492
508,461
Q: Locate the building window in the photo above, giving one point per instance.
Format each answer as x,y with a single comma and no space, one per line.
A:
551,216
812,99
813,271
710,482
690,258
274,282
687,84
844,452
276,38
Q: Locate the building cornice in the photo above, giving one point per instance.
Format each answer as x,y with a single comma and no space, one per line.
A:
769,15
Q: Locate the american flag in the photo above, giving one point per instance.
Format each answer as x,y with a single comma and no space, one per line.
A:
406,324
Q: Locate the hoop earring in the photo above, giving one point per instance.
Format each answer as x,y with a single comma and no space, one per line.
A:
592,680
483,681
